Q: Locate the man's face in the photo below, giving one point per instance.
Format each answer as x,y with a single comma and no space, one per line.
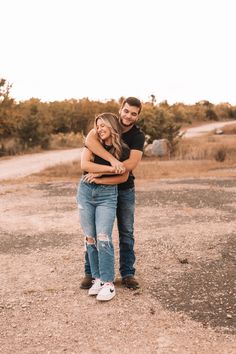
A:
128,115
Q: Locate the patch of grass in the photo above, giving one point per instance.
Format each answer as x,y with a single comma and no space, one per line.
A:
154,169
230,129
149,168
207,147
69,140
69,170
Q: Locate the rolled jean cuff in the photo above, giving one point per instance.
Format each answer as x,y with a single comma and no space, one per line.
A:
107,281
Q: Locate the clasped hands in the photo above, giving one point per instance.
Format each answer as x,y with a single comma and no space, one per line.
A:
93,177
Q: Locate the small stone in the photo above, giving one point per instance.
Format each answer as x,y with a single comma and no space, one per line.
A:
152,311
183,260
229,316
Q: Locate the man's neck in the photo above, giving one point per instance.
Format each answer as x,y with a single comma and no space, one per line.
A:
126,129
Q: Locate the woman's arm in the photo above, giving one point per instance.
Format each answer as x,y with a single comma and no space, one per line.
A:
96,147
92,178
89,166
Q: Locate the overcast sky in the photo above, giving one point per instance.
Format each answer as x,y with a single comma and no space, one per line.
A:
177,50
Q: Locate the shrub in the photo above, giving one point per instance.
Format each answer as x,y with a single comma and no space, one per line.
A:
230,129
206,148
220,154
70,140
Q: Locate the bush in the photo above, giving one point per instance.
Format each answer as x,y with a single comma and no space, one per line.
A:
159,124
217,148
220,154
230,129
70,140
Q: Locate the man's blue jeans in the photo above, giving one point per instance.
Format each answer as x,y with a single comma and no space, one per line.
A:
97,206
125,223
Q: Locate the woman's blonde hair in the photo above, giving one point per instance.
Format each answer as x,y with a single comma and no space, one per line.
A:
111,120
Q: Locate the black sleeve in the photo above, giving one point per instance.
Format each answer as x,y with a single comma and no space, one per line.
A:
137,142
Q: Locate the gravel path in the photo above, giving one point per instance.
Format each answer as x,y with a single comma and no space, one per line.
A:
206,128
22,166
185,247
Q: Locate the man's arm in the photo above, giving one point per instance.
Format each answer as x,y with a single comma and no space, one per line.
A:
96,147
133,160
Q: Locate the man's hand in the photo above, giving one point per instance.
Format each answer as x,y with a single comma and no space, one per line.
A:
119,167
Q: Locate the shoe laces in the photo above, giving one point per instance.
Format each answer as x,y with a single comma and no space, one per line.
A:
108,283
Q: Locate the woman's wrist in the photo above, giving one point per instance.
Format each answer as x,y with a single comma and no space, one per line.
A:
112,169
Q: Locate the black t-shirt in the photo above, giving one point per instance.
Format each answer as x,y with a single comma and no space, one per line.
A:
99,160
135,139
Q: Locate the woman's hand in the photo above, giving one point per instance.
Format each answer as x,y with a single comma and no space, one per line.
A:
90,177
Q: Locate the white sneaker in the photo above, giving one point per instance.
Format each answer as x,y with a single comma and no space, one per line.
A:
107,292
96,287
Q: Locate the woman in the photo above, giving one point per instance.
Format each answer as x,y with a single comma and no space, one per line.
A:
97,204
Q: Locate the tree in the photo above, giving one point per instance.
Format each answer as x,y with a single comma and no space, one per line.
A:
211,114
153,99
159,124
31,131
7,126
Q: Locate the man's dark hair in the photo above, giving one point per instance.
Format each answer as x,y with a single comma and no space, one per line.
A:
132,101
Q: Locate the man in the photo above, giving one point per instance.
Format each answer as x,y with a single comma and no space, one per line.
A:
134,138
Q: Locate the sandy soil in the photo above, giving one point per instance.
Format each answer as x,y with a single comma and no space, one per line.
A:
185,247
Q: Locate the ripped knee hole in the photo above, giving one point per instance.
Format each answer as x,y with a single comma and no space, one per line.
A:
89,240
103,237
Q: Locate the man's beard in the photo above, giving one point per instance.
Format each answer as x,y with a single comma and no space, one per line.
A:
126,125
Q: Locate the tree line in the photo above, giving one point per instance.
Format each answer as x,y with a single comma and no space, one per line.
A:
32,122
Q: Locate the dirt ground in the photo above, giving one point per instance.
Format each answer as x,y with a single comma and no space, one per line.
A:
186,255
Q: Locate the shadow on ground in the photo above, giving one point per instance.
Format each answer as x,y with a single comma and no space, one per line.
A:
207,293
22,243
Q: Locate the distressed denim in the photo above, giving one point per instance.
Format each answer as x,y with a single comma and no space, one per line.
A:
125,223
97,207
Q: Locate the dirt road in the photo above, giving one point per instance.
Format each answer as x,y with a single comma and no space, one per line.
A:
185,247
205,128
21,166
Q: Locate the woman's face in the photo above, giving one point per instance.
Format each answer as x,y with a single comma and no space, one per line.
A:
103,130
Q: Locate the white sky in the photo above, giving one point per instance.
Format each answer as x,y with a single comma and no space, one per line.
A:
178,50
